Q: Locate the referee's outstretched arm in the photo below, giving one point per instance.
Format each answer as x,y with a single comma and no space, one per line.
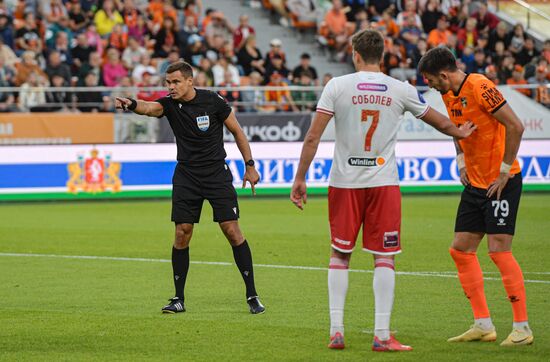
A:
250,173
151,109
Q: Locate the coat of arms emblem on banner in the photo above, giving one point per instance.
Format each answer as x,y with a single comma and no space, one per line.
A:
94,174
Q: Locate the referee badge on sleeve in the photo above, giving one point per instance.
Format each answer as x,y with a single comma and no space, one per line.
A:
203,122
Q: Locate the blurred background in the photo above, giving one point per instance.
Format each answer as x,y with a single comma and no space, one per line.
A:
63,62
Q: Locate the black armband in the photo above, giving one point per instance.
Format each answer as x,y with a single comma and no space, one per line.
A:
133,105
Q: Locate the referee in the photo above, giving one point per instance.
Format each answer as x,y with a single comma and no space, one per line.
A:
197,118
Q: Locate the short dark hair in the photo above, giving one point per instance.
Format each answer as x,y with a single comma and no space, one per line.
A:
437,59
182,66
369,44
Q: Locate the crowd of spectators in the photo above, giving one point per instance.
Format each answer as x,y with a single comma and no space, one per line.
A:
480,41
129,43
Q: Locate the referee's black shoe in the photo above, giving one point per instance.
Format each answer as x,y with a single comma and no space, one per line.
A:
256,307
175,306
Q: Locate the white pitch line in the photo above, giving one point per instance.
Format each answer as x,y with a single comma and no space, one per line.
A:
271,266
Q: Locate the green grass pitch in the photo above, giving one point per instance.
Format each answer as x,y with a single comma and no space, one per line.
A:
58,308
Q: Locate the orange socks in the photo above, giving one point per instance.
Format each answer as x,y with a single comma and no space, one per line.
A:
512,278
471,278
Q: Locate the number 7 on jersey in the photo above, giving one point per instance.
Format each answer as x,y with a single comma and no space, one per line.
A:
366,114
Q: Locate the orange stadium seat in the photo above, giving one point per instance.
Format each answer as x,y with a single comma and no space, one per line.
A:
267,5
325,33
301,25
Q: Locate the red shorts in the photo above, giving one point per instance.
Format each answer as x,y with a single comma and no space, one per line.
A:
378,209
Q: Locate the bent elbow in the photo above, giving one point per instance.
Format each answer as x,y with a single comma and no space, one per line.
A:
520,128
311,140
516,129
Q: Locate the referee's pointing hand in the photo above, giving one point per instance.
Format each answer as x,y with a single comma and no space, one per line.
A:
122,103
252,176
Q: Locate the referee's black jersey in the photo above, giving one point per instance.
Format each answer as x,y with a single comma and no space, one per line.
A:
198,126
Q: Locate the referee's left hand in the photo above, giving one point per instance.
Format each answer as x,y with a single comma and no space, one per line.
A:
251,176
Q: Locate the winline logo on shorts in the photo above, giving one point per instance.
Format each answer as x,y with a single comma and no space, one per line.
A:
367,162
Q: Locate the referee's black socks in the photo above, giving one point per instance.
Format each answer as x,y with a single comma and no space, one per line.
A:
180,267
243,259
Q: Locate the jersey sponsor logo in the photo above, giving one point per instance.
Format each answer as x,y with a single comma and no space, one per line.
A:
456,112
372,87
366,161
203,122
492,96
94,174
464,102
391,239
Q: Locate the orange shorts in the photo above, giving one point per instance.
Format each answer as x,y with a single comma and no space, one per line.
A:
377,209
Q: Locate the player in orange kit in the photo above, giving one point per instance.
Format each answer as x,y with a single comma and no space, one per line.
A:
492,178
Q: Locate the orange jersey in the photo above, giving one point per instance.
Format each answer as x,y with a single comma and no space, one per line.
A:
477,100
437,37
336,21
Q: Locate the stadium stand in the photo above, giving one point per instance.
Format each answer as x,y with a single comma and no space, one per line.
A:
121,40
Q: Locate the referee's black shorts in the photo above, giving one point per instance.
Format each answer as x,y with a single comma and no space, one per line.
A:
478,213
193,184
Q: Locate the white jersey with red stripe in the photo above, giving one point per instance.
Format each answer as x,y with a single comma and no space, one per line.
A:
367,109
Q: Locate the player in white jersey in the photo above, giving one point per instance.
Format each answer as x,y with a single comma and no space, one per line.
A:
367,107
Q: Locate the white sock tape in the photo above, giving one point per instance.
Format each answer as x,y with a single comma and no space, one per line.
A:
505,168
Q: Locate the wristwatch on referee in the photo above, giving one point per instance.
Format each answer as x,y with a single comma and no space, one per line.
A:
250,163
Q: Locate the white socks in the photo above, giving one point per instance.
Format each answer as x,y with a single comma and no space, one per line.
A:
487,324
383,285
520,325
337,290
484,323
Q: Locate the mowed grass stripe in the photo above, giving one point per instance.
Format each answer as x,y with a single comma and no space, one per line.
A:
107,310
445,274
